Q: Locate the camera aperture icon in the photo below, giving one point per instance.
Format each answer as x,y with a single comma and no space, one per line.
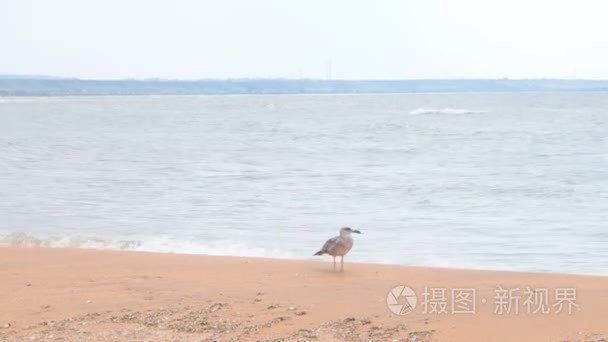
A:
401,300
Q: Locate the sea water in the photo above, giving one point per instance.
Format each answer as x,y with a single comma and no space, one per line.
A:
509,181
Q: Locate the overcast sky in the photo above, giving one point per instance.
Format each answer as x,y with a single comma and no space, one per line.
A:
348,39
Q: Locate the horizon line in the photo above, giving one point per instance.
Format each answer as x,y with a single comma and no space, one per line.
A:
159,79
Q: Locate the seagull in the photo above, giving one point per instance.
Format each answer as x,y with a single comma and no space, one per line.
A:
339,246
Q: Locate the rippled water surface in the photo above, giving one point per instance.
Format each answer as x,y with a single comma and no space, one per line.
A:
498,181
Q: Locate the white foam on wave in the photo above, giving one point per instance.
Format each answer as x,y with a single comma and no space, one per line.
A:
167,244
159,244
29,99
25,240
449,111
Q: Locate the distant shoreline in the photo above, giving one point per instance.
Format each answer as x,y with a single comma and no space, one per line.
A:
76,87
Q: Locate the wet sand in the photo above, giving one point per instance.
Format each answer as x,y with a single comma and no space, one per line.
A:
76,295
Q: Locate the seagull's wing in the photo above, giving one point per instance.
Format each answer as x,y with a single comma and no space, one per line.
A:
330,244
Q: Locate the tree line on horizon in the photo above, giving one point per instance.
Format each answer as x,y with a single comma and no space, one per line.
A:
49,86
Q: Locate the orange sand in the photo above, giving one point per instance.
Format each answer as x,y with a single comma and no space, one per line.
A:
78,295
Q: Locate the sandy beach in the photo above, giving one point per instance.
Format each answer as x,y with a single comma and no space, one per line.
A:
77,294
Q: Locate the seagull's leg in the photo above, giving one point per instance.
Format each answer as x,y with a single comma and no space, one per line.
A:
334,263
342,264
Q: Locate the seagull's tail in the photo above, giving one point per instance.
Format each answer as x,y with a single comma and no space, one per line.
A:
319,253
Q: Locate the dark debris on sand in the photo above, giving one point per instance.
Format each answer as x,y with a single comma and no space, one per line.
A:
213,323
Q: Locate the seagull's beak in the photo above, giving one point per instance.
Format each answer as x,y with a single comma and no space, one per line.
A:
356,231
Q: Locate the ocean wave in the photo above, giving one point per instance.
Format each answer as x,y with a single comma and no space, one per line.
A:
25,240
158,244
449,111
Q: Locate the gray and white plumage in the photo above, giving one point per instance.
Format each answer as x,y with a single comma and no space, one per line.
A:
339,245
